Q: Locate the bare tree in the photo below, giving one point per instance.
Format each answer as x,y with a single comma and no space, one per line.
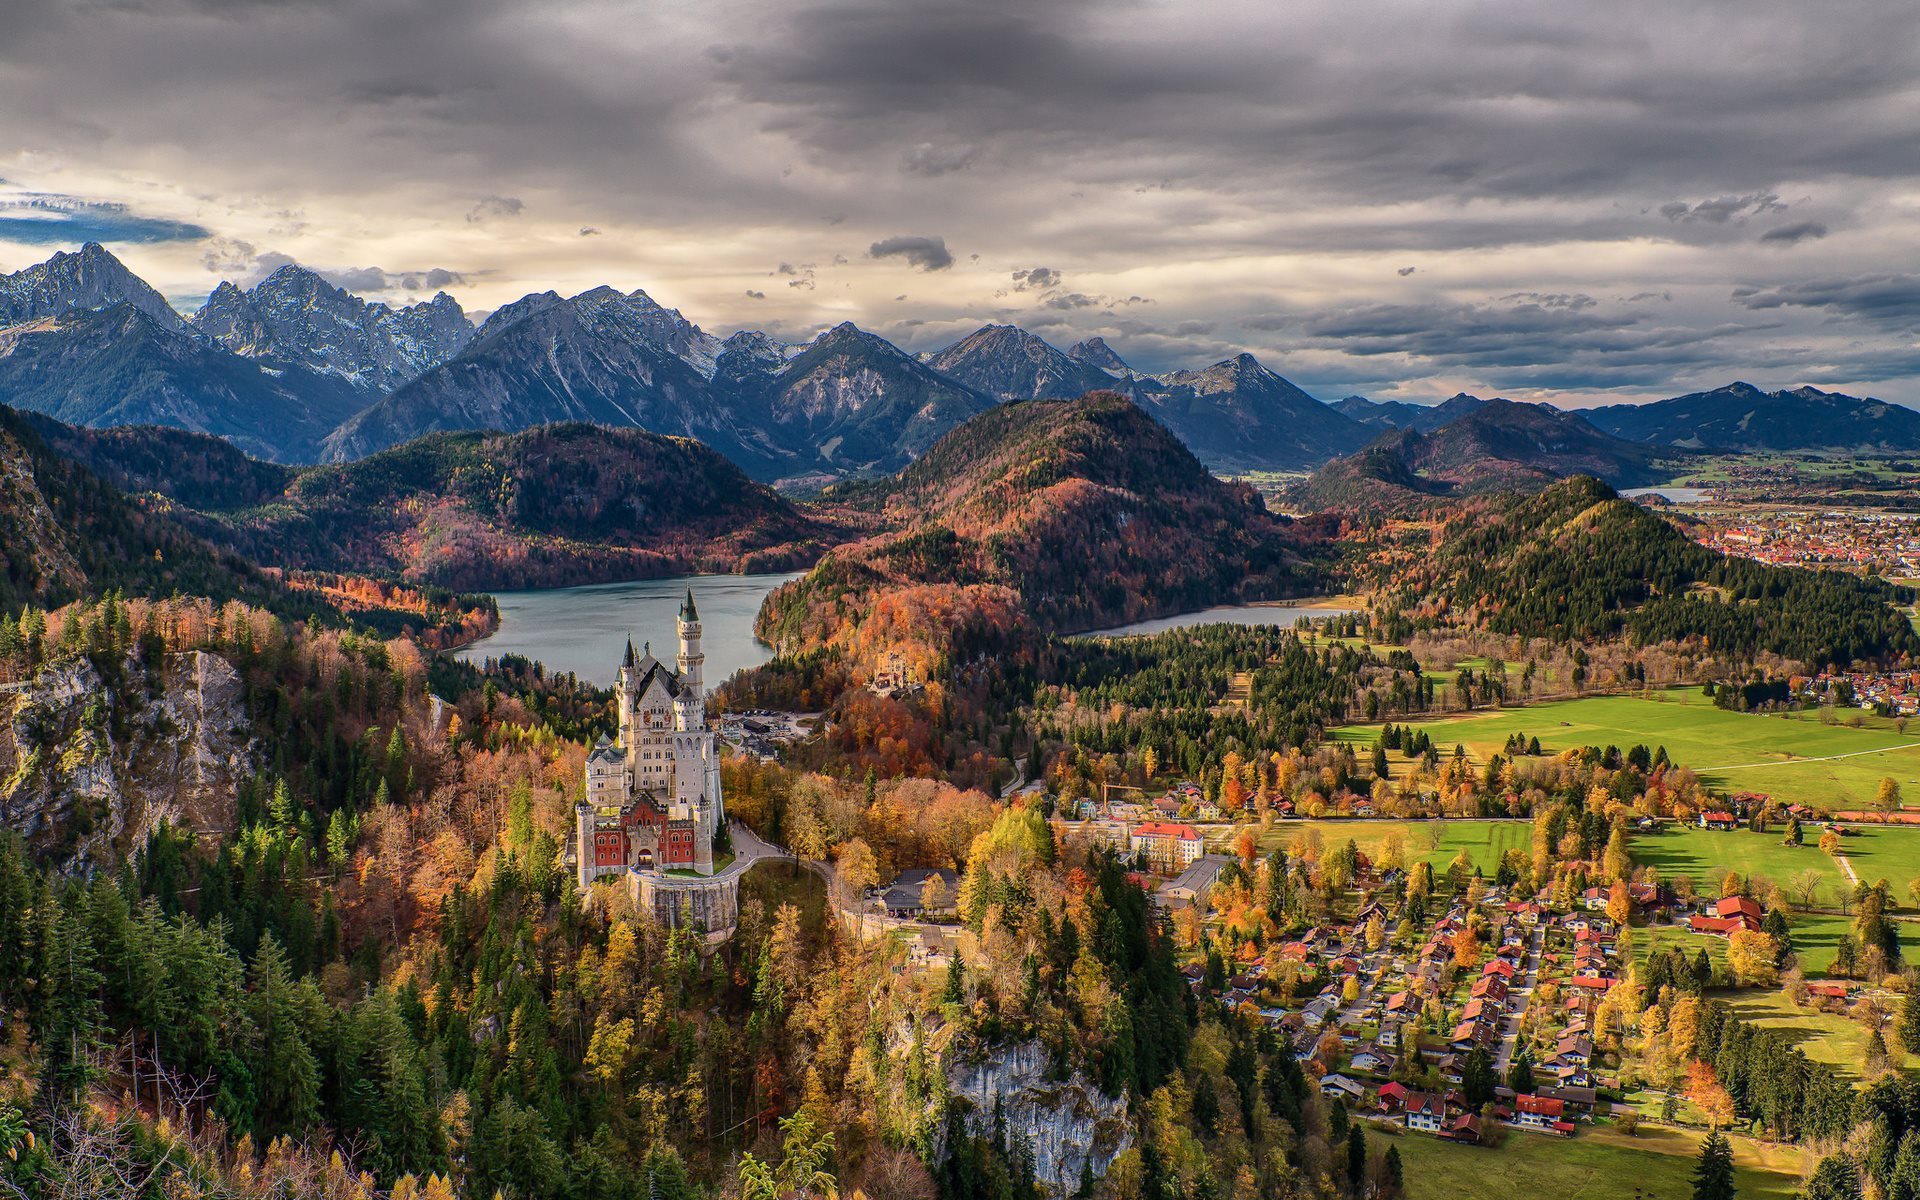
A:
1806,888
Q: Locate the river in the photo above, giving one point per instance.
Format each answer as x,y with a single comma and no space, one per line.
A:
585,629
1283,615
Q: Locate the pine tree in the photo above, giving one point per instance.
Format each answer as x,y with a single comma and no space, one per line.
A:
956,989
1477,1080
1909,1027
1520,1072
1713,1176
1356,1159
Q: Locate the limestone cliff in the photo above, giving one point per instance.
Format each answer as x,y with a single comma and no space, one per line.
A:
1070,1123
87,770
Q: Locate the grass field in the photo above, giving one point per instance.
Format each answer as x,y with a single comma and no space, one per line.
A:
1486,841
1816,936
1706,855
1792,758
1890,852
1653,939
1597,1164
1824,1037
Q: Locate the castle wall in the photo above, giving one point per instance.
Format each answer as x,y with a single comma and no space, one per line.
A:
709,905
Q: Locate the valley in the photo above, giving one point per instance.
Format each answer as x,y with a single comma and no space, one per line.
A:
601,719
1082,755
847,600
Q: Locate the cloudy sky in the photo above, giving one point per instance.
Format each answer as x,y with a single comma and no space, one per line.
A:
1577,202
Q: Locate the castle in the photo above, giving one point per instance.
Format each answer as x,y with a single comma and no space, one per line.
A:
653,796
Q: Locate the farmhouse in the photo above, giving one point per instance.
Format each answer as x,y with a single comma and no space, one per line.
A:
1729,913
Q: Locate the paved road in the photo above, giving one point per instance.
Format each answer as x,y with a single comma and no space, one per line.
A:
748,850
857,913
1521,997
1369,969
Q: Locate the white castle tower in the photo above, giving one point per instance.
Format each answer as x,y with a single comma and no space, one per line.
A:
696,764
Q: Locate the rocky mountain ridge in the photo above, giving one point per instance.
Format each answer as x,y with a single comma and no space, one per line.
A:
90,277
295,317
298,370
1742,418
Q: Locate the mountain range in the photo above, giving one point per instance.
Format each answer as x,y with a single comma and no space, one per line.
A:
1742,418
294,318
65,532
1398,414
298,370
554,506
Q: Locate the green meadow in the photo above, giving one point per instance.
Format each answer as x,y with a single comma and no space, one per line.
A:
1598,1163
1794,758
1889,852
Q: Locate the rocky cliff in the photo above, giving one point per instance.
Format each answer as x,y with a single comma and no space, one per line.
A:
88,770
1070,1123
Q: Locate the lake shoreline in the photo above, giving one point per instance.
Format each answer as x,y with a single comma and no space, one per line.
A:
1254,612
583,630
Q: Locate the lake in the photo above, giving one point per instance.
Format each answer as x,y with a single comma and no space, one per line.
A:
585,629
1283,615
1673,495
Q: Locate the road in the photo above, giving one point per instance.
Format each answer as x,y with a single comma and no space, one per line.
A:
1520,997
1788,762
857,914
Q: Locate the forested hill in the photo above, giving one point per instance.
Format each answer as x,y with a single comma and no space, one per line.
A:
1575,561
1498,445
1070,513
198,470
553,506
65,532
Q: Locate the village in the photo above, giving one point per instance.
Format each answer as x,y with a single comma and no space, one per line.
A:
1875,541
1480,1020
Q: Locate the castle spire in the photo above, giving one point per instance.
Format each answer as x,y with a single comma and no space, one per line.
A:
629,660
687,611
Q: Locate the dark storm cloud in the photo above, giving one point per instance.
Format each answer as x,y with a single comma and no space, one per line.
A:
932,160
927,253
1722,209
52,220
1890,297
495,206
1598,151
1035,279
375,279
1794,234
1522,346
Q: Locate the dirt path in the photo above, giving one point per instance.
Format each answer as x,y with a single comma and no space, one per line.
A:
1788,762
1240,689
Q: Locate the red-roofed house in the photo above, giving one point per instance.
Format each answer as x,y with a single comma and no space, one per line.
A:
1425,1111
1168,845
1538,1112
1393,1096
1729,913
